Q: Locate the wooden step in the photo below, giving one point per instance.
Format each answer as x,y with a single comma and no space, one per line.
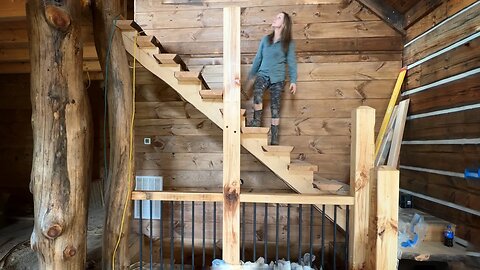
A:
188,76
129,25
255,130
211,94
272,149
325,184
150,42
242,111
170,59
299,166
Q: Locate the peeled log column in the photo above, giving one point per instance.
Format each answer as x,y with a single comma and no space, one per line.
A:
61,124
119,87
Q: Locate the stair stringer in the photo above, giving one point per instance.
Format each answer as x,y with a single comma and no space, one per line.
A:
301,182
189,91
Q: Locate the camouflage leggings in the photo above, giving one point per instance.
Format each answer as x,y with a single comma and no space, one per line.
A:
259,87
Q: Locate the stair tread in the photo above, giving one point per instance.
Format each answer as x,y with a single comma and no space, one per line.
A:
170,59
242,111
149,41
211,94
325,184
255,130
278,148
302,166
128,25
188,76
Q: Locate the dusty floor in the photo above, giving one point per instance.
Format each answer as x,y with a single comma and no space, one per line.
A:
15,252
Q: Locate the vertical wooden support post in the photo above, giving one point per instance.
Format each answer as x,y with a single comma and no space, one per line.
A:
62,134
383,236
361,162
111,54
231,135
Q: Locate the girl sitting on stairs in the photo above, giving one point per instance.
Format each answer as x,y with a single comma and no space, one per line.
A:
275,50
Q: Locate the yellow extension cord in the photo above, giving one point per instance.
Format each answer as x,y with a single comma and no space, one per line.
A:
130,156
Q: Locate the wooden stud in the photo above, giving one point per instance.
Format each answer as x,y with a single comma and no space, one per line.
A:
382,154
362,158
231,136
383,236
394,154
255,130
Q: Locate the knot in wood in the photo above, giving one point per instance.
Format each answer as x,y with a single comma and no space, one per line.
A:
57,17
54,231
231,197
69,252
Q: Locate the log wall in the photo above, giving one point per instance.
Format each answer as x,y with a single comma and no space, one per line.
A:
346,56
454,105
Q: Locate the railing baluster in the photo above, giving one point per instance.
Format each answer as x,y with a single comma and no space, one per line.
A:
265,233
311,235
322,261
203,235
299,233
288,232
334,237
254,232
172,256
182,232
151,235
214,229
243,231
141,233
193,235
277,214
161,236
347,238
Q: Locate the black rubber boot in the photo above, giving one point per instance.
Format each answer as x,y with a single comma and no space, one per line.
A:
274,134
257,119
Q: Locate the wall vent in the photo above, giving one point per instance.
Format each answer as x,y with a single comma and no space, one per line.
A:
150,183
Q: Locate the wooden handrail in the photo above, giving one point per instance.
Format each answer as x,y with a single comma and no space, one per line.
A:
329,199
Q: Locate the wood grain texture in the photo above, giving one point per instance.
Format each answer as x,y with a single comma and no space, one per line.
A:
456,29
445,10
464,124
456,61
62,137
450,95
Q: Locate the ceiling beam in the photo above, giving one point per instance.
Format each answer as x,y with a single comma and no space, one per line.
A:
387,13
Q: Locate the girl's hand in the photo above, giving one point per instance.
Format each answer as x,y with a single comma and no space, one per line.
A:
293,88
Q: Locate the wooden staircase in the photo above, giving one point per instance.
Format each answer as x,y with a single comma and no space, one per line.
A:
193,88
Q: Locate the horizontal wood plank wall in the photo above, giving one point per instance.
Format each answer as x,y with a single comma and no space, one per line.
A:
444,109
346,56
16,139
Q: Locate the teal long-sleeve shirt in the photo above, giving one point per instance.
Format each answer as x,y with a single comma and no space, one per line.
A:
270,61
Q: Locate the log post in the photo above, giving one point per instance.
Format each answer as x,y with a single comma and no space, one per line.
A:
120,109
361,162
231,135
62,134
